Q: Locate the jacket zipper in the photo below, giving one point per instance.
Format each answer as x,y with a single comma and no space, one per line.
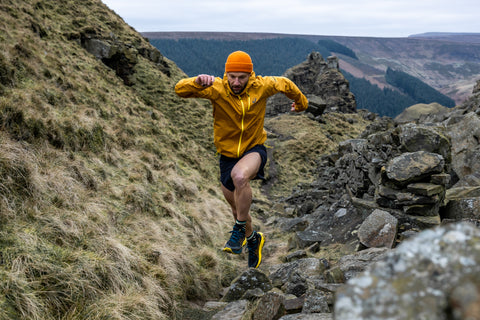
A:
242,127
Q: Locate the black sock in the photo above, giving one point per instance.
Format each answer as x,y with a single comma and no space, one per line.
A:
252,237
241,224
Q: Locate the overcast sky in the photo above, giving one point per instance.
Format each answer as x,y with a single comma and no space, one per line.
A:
373,18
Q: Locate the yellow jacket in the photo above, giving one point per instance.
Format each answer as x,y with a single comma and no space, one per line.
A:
238,119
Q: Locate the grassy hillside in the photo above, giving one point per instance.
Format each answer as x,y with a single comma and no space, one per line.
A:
108,194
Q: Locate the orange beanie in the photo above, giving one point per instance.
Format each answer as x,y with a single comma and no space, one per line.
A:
239,61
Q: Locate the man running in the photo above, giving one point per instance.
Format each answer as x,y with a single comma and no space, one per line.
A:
239,102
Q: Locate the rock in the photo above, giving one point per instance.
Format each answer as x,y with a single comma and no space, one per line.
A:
316,105
117,56
462,192
291,224
423,210
421,138
270,306
280,273
232,311
465,145
421,111
413,166
213,305
315,302
296,284
294,304
465,300
425,222
416,279
250,279
465,208
253,294
353,264
470,180
425,189
306,238
378,230
334,275
442,179
299,254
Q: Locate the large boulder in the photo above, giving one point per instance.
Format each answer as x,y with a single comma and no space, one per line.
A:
426,277
418,112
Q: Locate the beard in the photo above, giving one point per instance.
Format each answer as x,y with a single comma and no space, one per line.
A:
237,89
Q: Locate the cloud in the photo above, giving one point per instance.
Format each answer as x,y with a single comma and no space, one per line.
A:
353,18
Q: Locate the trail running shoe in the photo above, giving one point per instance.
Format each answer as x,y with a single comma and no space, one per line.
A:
237,240
255,250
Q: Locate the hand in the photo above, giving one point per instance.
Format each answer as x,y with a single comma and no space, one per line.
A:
293,108
205,80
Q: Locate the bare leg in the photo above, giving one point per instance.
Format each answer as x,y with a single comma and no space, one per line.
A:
230,197
244,171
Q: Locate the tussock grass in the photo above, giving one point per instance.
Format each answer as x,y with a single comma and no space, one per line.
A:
109,202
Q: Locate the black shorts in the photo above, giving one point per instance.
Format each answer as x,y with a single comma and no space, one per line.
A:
227,164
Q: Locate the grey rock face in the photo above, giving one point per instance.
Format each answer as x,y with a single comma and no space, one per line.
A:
417,279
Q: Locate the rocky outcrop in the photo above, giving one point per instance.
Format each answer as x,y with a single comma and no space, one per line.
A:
119,56
323,84
384,169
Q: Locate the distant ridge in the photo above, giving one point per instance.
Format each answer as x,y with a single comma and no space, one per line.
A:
467,37
464,37
214,35
218,35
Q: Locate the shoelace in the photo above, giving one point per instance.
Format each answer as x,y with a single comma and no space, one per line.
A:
236,234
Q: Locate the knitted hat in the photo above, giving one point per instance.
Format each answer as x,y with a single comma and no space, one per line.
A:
239,61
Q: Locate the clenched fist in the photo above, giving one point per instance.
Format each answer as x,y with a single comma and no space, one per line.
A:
205,80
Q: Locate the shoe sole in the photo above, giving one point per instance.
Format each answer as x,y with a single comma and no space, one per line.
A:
260,247
229,250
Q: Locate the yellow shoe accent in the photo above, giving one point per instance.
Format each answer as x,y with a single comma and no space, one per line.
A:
228,250
260,247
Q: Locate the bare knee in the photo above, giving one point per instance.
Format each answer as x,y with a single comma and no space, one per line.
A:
240,179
